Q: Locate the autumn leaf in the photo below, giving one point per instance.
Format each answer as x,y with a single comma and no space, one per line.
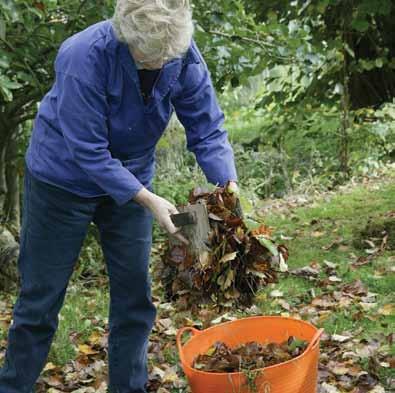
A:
86,349
268,244
228,257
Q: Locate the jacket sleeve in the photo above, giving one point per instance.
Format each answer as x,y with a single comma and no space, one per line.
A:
197,109
82,111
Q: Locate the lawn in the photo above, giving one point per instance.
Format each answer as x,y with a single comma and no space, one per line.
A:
360,301
348,290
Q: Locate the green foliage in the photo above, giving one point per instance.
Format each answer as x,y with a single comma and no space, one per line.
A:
30,35
177,172
315,39
91,264
313,64
294,147
236,46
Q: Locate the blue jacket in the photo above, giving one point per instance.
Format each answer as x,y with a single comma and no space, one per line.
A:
94,136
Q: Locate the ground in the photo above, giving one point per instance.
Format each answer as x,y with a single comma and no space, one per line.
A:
336,280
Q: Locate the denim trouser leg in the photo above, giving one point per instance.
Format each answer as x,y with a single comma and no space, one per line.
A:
54,226
126,236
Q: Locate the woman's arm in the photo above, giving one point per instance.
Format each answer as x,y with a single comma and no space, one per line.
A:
82,118
197,108
81,112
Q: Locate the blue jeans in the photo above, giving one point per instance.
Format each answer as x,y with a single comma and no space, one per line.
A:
54,225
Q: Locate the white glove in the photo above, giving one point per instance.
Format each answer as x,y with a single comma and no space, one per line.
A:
161,210
233,188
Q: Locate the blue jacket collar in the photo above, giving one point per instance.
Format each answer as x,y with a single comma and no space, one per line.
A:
168,75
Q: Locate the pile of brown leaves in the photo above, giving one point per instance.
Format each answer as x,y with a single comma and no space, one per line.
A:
248,357
240,261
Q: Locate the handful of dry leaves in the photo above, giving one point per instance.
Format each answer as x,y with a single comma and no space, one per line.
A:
237,263
248,357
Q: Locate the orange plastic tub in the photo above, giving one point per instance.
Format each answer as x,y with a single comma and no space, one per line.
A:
298,375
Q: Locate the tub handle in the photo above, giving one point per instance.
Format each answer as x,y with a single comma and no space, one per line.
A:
315,339
179,337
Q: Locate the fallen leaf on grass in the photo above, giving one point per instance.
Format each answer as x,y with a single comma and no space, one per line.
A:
339,338
330,265
49,367
387,310
276,293
170,375
222,318
306,271
326,388
335,244
334,279
87,350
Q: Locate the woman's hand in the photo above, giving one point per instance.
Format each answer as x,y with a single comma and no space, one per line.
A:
233,188
161,210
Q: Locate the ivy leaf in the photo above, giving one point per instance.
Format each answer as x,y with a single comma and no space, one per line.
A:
264,241
360,25
6,93
9,84
379,62
367,65
296,343
4,63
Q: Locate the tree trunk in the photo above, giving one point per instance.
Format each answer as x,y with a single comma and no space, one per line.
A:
9,251
12,200
345,127
3,186
346,123
10,206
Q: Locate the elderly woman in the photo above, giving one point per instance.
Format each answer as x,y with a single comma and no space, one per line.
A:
91,159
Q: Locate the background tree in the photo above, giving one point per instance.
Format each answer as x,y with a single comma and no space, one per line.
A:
30,35
310,73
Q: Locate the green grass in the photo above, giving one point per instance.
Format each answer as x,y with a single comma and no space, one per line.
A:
340,217
84,311
313,228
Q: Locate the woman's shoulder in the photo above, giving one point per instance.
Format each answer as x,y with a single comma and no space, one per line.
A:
85,52
193,54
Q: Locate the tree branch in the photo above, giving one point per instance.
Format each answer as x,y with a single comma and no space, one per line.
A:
262,44
21,119
23,60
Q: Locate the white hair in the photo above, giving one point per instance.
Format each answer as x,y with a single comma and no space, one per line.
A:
161,30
